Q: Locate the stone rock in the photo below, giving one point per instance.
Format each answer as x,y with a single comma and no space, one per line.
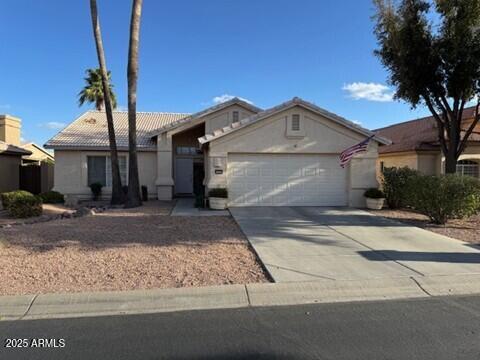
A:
66,215
83,211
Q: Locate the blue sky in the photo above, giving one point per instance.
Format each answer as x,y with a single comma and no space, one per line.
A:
193,53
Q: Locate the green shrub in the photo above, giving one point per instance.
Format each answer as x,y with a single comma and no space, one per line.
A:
374,193
52,197
22,204
96,190
8,197
218,193
445,197
395,184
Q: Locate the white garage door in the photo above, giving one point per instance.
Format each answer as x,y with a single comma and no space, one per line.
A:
294,180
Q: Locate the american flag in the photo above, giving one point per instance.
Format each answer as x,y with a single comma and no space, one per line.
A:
347,154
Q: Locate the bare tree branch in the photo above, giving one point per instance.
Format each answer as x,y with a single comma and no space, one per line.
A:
441,126
469,132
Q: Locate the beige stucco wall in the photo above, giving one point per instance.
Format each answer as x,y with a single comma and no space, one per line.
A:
322,136
10,172
71,172
429,164
409,159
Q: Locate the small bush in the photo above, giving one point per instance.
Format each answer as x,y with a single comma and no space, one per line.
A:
144,193
218,193
52,197
446,197
96,190
22,204
374,193
396,187
8,197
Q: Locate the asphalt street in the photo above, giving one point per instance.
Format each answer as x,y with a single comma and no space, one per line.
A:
430,328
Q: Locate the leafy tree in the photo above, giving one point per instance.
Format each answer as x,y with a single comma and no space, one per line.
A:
109,102
93,90
133,197
432,52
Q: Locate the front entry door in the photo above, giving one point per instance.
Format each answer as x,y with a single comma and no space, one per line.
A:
184,176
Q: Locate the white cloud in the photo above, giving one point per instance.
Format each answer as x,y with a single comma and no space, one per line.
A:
225,97
53,125
369,91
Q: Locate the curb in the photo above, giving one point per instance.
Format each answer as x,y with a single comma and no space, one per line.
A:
52,306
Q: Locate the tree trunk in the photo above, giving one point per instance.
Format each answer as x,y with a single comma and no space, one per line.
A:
118,196
133,196
451,161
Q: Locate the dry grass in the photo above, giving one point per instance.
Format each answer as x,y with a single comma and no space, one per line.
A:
123,250
466,230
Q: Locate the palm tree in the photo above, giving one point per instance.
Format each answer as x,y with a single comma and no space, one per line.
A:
92,93
133,196
118,196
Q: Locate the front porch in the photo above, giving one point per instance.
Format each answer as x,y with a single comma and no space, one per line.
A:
184,176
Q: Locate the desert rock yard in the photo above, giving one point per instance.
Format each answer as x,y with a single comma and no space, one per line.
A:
120,249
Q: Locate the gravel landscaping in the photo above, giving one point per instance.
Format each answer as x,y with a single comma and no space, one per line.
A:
121,249
466,230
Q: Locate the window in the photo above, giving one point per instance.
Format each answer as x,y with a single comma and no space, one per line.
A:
295,122
188,150
468,168
382,166
235,116
100,170
96,170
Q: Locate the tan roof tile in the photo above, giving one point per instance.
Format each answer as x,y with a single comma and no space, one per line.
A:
89,131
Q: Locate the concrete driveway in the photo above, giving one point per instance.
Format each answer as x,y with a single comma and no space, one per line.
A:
308,243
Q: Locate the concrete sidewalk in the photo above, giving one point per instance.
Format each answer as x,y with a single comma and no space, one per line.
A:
314,243
50,306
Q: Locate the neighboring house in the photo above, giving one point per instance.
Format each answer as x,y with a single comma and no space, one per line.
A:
15,156
286,155
415,144
10,162
38,156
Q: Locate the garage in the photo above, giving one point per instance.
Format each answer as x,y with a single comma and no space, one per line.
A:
286,179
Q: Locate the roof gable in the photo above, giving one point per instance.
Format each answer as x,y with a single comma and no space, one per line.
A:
31,145
285,106
204,113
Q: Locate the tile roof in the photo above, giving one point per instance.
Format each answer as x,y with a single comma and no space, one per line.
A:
419,134
12,149
89,131
293,102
